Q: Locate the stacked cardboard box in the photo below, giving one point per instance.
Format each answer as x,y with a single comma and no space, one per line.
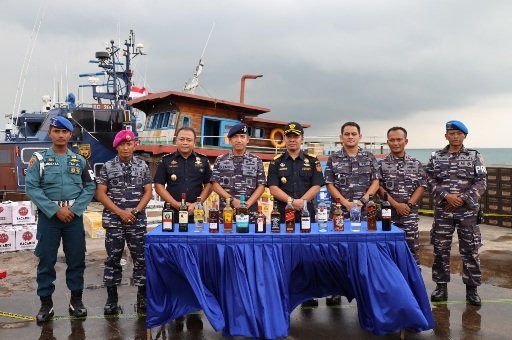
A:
18,227
497,201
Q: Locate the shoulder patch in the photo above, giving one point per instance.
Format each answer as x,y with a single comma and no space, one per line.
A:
278,156
201,154
311,155
168,155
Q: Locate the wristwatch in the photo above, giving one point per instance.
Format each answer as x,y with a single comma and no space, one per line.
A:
135,212
411,205
363,200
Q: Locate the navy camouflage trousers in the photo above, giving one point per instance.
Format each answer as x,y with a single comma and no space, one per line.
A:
409,224
114,244
470,239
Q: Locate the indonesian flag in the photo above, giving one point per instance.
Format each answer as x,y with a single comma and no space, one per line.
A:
136,92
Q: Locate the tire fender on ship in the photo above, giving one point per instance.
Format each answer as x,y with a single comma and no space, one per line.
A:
275,135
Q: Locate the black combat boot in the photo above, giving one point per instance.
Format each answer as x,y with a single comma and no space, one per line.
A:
440,293
472,296
334,300
141,299
111,307
310,303
46,310
76,306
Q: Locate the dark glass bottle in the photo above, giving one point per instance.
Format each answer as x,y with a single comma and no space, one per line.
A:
386,213
289,217
183,214
261,221
371,215
242,216
167,218
305,219
275,219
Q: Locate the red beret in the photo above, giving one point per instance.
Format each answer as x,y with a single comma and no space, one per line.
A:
123,136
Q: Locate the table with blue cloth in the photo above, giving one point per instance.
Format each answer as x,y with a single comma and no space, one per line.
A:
249,284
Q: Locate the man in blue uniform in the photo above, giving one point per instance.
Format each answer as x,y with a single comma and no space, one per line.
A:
457,178
404,180
239,172
61,184
183,171
295,177
124,189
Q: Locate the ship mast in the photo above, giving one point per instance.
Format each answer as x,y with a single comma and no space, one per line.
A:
193,83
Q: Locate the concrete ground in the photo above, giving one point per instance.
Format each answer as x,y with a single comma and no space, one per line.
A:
454,320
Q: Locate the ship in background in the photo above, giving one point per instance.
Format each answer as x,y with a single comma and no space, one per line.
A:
95,124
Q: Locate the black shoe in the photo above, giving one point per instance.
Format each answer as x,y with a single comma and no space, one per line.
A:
194,322
76,306
111,307
472,296
440,293
46,311
141,299
310,303
334,300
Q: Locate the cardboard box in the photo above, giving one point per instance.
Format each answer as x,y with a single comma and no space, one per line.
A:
6,212
7,238
23,213
26,237
93,225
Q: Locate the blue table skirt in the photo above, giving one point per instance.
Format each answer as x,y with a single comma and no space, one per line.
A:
248,284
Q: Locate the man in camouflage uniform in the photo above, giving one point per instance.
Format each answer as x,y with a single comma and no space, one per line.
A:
239,172
351,174
404,180
184,171
457,178
295,177
125,188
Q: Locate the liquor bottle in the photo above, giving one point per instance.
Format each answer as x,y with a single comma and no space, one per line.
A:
386,213
338,221
167,218
371,214
213,218
321,214
289,216
275,219
305,219
355,217
242,216
261,221
198,216
183,214
227,216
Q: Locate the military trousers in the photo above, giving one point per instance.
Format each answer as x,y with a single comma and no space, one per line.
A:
49,233
409,224
115,240
470,238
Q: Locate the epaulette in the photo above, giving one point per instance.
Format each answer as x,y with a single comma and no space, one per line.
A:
200,154
169,154
311,155
277,156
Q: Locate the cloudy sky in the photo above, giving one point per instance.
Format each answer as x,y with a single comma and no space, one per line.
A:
381,63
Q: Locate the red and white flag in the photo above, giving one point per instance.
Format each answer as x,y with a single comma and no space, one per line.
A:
137,92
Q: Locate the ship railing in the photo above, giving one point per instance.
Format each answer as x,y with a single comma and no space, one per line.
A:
318,145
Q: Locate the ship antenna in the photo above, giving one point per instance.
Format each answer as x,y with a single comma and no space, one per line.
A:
193,83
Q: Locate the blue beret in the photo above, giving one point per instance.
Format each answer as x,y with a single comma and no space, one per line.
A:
238,129
61,123
457,125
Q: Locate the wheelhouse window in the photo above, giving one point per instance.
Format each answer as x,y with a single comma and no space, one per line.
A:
162,120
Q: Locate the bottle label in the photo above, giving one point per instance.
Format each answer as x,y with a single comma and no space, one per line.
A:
242,221
322,216
198,215
259,224
228,217
338,221
214,226
305,223
386,213
183,217
289,215
276,224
